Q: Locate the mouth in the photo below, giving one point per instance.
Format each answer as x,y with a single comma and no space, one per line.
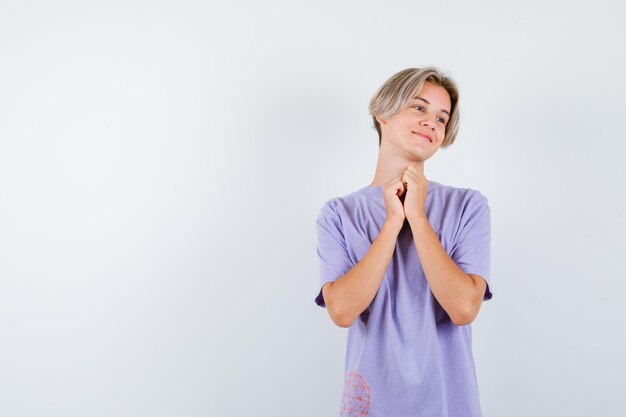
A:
423,136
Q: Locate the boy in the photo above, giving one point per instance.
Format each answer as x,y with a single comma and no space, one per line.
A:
404,263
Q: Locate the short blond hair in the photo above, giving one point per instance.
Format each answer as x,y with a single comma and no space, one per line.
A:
397,92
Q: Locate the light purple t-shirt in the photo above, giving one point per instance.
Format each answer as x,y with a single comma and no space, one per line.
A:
405,357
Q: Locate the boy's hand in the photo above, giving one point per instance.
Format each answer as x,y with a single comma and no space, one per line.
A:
392,191
416,191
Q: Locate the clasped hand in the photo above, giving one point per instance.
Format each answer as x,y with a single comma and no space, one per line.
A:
405,195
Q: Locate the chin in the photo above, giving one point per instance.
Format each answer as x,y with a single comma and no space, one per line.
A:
420,157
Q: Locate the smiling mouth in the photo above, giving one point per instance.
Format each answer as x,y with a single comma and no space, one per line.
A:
422,136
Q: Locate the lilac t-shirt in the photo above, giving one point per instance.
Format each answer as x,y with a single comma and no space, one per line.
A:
404,356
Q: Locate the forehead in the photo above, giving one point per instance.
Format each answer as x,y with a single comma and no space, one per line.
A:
435,95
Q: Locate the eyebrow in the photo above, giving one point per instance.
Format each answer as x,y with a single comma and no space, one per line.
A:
426,101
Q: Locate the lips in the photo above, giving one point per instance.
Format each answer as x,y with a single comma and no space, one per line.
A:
423,135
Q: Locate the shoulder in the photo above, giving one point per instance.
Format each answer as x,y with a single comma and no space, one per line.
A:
465,196
337,207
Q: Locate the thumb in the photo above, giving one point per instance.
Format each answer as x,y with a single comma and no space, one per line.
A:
400,188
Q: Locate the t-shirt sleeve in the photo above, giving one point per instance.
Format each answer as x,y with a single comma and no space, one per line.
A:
472,245
331,249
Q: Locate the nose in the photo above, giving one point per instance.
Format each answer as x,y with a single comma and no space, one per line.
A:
428,122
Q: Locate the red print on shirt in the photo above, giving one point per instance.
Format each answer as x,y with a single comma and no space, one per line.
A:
356,397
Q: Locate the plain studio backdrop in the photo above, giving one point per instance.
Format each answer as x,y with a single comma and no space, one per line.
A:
162,164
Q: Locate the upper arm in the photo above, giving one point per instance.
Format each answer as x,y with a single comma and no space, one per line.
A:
472,243
332,251
326,292
476,298
480,286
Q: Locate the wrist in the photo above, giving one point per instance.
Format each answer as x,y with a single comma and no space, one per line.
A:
418,220
394,224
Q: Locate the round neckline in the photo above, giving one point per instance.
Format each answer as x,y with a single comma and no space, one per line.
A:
372,190
378,189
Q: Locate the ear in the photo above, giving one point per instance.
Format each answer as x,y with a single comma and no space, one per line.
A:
381,120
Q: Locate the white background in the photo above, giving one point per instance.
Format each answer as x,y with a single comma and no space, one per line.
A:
162,164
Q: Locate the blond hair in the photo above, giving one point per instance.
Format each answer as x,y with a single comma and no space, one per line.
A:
396,93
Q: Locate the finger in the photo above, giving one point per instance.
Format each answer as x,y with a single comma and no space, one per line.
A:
392,182
400,188
408,177
416,169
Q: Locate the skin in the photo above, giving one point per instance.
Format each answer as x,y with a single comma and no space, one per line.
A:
400,171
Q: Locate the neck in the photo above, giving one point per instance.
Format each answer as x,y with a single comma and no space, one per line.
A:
391,165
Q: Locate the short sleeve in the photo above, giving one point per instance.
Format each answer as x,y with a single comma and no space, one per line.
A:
472,245
331,249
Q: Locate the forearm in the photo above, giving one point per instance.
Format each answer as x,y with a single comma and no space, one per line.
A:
449,284
353,292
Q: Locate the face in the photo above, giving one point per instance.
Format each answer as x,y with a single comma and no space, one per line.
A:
418,130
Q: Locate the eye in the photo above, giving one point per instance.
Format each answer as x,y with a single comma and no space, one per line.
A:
418,107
